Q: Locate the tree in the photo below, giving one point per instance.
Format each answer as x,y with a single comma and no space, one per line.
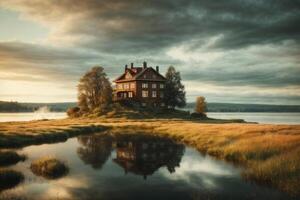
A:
174,89
94,91
200,105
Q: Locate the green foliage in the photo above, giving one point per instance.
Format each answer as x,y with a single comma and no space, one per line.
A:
13,107
94,91
174,95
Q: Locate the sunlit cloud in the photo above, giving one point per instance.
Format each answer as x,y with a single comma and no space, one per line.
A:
232,46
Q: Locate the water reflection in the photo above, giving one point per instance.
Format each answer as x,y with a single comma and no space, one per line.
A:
104,166
145,155
95,150
140,155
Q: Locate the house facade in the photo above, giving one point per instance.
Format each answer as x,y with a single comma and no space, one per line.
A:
143,85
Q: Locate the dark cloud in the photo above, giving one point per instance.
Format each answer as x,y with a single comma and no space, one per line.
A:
227,43
150,26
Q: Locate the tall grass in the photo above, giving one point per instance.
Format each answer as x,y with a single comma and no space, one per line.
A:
49,167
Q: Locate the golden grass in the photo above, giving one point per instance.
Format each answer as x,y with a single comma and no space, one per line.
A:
49,167
269,153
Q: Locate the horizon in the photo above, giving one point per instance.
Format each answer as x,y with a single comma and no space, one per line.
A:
236,52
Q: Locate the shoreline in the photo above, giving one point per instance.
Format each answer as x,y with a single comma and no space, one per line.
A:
269,153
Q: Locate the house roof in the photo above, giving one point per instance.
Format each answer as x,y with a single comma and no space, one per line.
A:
137,73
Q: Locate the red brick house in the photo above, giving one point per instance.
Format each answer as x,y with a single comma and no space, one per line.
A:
143,85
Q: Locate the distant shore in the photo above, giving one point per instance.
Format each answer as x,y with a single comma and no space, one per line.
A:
270,154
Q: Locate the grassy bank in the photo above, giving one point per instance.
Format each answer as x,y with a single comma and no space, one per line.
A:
10,178
269,153
19,134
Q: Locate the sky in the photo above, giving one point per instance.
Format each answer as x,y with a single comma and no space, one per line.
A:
232,51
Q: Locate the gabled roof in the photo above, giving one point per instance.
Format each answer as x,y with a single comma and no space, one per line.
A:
137,73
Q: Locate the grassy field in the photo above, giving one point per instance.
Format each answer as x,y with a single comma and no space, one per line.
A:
270,154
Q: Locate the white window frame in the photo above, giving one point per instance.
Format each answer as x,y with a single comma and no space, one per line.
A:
130,94
126,86
145,93
144,85
153,85
161,86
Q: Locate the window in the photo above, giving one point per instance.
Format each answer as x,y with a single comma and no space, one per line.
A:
144,104
132,85
144,93
130,94
161,95
120,86
162,86
154,76
154,94
162,104
125,95
154,85
145,76
126,86
145,85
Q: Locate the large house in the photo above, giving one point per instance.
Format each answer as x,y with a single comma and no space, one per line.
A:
143,85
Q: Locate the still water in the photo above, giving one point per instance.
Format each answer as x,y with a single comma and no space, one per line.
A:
7,117
103,166
260,117
267,118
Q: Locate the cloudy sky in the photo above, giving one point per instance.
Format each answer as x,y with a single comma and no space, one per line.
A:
228,51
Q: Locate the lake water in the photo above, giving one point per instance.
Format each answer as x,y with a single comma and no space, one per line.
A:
134,167
269,118
6,117
260,117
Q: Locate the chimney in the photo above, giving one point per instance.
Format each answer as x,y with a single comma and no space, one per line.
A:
131,65
157,68
126,66
145,64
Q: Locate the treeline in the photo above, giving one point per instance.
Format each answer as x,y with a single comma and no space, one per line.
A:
232,107
12,106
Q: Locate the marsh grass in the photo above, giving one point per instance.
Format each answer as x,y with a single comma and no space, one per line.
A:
49,167
10,178
10,157
269,153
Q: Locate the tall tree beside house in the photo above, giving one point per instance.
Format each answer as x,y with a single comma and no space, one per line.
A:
174,89
94,91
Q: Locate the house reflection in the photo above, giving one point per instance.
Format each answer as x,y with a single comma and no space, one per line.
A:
144,155
95,150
